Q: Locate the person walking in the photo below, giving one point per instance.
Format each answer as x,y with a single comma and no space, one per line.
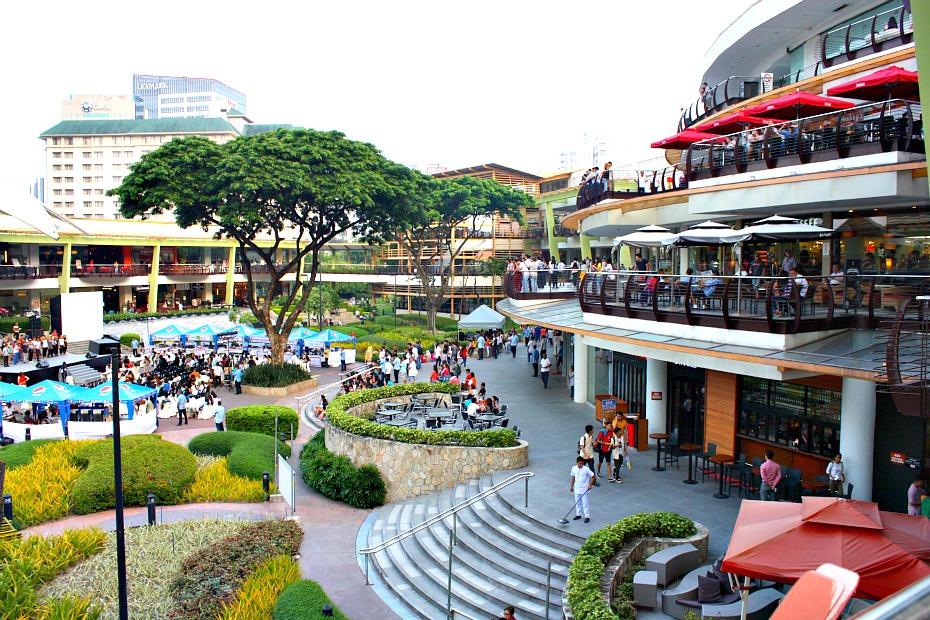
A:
514,339
586,448
544,365
412,371
342,360
219,415
237,379
571,383
618,452
534,360
914,493
481,344
604,437
770,472
582,479
182,408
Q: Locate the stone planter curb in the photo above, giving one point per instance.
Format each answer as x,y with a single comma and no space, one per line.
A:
294,388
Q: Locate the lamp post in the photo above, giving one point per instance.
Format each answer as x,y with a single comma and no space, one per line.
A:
321,302
118,482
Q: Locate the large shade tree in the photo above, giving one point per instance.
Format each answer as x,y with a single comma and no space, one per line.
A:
295,189
455,212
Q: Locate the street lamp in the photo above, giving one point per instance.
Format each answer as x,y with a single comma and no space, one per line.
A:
118,482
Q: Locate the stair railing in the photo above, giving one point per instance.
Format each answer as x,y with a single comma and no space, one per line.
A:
453,512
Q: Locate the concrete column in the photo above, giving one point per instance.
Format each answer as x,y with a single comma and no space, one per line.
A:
857,435
153,279
230,277
826,259
682,260
580,360
585,241
656,381
64,280
550,236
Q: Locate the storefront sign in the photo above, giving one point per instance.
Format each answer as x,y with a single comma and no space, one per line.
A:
912,462
151,85
657,396
898,458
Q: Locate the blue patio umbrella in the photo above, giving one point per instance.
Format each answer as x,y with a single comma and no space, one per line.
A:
48,392
329,336
169,333
129,393
204,333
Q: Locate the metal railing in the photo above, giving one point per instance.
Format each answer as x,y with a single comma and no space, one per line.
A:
453,512
728,92
631,183
910,603
871,35
109,271
191,269
865,129
801,74
541,284
29,272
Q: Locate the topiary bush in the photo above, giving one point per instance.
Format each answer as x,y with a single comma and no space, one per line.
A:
338,479
337,414
303,600
584,574
260,419
150,465
209,578
127,338
19,454
274,375
250,454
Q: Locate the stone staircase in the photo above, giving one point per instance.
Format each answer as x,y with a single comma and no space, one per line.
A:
500,557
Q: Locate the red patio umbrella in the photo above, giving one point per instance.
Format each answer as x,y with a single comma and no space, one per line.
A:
882,84
798,105
733,123
780,541
682,139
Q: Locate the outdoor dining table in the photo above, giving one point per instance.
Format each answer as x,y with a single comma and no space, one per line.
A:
690,448
659,437
814,486
397,423
723,460
393,405
390,413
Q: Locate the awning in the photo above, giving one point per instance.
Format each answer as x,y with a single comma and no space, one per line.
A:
682,139
780,228
706,233
648,237
733,123
886,83
798,105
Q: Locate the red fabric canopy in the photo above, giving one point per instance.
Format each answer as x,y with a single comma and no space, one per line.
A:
682,140
798,105
733,123
780,541
882,84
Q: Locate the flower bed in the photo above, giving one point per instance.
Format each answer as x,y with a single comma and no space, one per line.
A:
42,482
583,598
259,593
214,482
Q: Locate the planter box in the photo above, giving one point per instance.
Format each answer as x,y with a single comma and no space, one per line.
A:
294,388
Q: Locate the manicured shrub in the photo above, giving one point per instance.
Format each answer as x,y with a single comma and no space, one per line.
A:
260,591
19,454
336,413
260,419
154,556
135,316
303,600
150,465
24,322
209,578
215,483
584,574
127,338
249,454
337,478
27,564
274,375
41,488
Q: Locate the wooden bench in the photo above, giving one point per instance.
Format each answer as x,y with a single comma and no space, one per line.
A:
761,606
686,590
644,588
671,563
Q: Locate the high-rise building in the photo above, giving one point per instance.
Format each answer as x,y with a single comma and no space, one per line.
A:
97,107
592,150
161,96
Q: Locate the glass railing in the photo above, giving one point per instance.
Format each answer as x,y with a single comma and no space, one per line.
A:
871,128
728,92
29,272
108,271
801,74
888,29
189,269
624,184
542,284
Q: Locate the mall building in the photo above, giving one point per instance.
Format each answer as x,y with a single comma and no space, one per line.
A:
812,115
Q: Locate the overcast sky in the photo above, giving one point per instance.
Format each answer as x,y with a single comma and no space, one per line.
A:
446,83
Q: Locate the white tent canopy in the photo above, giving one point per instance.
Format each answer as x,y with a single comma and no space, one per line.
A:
483,318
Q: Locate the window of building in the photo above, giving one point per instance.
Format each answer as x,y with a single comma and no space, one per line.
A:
197,108
172,100
87,204
56,140
99,216
56,192
86,179
98,179
117,178
69,215
85,167
98,204
86,154
57,205
69,179
69,205
56,167
69,155
198,98
86,140
799,417
69,166
127,153
69,192
56,179
117,139
98,166
69,141
87,191
117,166
56,155
98,192
117,153
98,154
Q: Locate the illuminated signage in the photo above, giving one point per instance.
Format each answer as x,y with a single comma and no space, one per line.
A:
151,85
88,106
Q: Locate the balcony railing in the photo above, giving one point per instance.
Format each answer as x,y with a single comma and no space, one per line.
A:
781,305
190,269
625,184
866,129
885,30
29,272
80,270
541,284
801,74
728,92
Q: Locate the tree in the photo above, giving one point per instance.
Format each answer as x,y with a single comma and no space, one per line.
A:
455,210
495,268
294,189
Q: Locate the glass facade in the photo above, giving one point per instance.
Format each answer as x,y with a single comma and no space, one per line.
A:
151,92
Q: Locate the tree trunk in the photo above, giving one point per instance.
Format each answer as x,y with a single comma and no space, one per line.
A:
431,316
278,344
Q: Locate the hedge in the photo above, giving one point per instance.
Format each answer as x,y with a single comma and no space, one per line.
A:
24,322
135,316
209,579
260,419
274,375
336,413
304,600
127,338
250,454
338,479
259,593
19,454
150,465
584,574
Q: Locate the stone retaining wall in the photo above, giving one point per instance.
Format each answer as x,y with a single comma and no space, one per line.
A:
410,470
294,388
634,553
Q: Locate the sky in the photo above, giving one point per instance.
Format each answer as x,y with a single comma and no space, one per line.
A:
453,84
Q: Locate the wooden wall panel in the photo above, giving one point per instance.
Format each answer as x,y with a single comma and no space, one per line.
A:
720,410
810,464
827,382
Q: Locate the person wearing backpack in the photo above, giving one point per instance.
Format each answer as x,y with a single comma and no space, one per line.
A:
604,437
586,449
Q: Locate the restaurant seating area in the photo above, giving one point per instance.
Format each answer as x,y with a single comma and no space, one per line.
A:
435,412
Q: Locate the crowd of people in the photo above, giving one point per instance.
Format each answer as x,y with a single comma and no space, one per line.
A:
20,348
594,182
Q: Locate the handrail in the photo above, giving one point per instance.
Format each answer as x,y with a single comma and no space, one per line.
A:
455,612
525,475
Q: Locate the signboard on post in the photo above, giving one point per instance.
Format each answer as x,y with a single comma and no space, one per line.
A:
286,482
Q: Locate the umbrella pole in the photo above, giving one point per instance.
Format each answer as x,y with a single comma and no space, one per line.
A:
743,593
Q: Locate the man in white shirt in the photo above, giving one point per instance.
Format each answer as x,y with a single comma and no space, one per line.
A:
533,266
523,269
581,483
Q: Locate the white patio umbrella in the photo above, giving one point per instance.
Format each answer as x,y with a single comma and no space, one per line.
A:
780,228
706,233
651,236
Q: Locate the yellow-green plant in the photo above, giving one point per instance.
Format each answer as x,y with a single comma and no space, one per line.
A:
41,489
259,593
27,564
215,483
